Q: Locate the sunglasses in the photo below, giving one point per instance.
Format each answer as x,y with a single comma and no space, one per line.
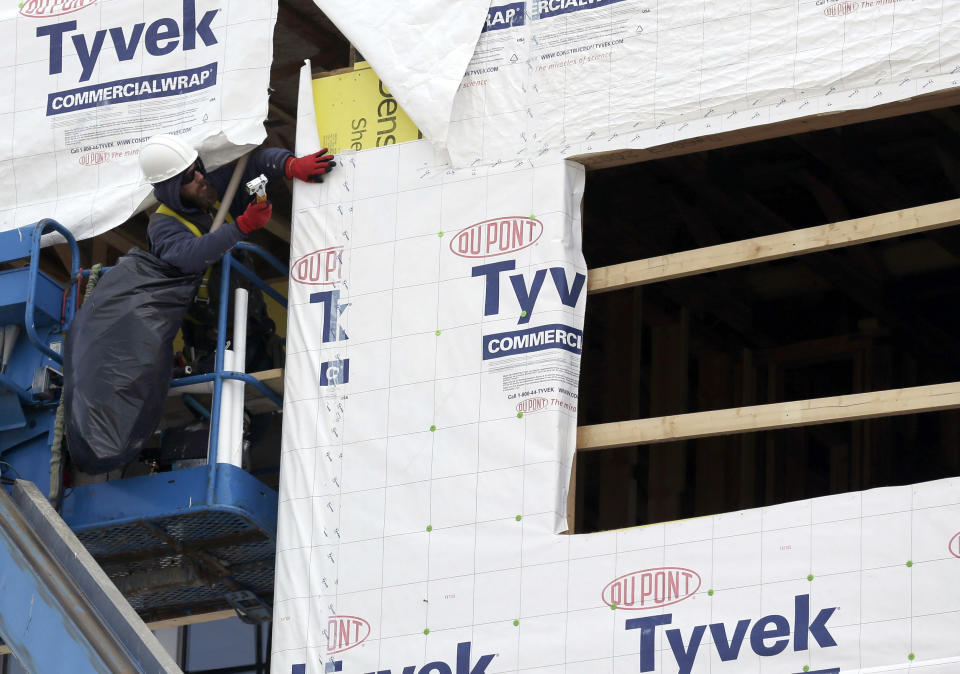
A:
191,172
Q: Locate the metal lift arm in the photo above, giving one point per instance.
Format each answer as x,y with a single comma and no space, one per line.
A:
58,610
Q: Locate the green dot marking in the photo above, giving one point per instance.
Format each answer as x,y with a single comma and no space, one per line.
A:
810,577
516,623
437,333
533,217
426,630
432,428
909,563
519,415
523,314
806,668
440,234
613,607
710,593
429,527
519,517
911,656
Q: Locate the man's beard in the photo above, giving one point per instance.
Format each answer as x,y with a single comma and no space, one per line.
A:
207,195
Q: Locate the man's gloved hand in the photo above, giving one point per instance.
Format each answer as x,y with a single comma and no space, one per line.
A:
311,167
255,217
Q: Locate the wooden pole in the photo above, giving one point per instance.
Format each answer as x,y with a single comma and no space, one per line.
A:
672,428
774,246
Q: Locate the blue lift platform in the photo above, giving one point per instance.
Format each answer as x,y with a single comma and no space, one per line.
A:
176,543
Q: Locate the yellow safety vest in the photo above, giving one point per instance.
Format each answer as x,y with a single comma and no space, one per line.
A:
203,292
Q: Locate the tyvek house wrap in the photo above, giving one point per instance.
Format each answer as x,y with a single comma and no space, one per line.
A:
72,120
557,78
424,468
420,49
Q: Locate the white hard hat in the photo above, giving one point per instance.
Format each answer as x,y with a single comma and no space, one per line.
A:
164,156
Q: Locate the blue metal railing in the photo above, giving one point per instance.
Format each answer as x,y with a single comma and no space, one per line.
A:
217,376
26,243
70,307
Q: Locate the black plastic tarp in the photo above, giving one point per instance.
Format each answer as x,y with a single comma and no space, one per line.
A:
118,359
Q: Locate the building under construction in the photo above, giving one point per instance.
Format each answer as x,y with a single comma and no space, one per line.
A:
618,340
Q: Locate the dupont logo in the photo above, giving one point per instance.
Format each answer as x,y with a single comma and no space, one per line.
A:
955,545
533,404
344,632
93,158
498,236
841,8
651,588
43,9
319,268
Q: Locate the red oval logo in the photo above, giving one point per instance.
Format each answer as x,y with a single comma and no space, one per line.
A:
319,268
44,9
841,8
344,632
532,404
93,158
651,588
954,545
497,236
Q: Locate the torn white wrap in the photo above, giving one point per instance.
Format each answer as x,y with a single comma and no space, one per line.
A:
420,49
83,83
569,77
556,78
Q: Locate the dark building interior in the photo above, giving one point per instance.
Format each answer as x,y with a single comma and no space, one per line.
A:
867,317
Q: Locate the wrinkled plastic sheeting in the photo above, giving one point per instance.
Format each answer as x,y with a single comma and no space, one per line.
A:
420,49
118,359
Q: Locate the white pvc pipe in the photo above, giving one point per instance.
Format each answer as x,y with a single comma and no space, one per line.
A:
239,330
227,423
239,365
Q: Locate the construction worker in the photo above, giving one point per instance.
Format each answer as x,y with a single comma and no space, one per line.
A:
179,232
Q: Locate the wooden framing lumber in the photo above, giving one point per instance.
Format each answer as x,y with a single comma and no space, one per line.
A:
121,240
772,416
66,259
774,246
170,622
193,619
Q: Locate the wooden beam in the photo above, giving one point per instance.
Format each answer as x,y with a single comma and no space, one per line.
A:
192,619
853,407
774,246
572,499
942,99
122,241
170,622
63,253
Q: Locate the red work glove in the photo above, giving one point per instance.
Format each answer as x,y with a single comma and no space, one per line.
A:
311,167
255,217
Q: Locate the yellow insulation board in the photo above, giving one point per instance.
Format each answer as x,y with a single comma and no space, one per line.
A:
355,111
